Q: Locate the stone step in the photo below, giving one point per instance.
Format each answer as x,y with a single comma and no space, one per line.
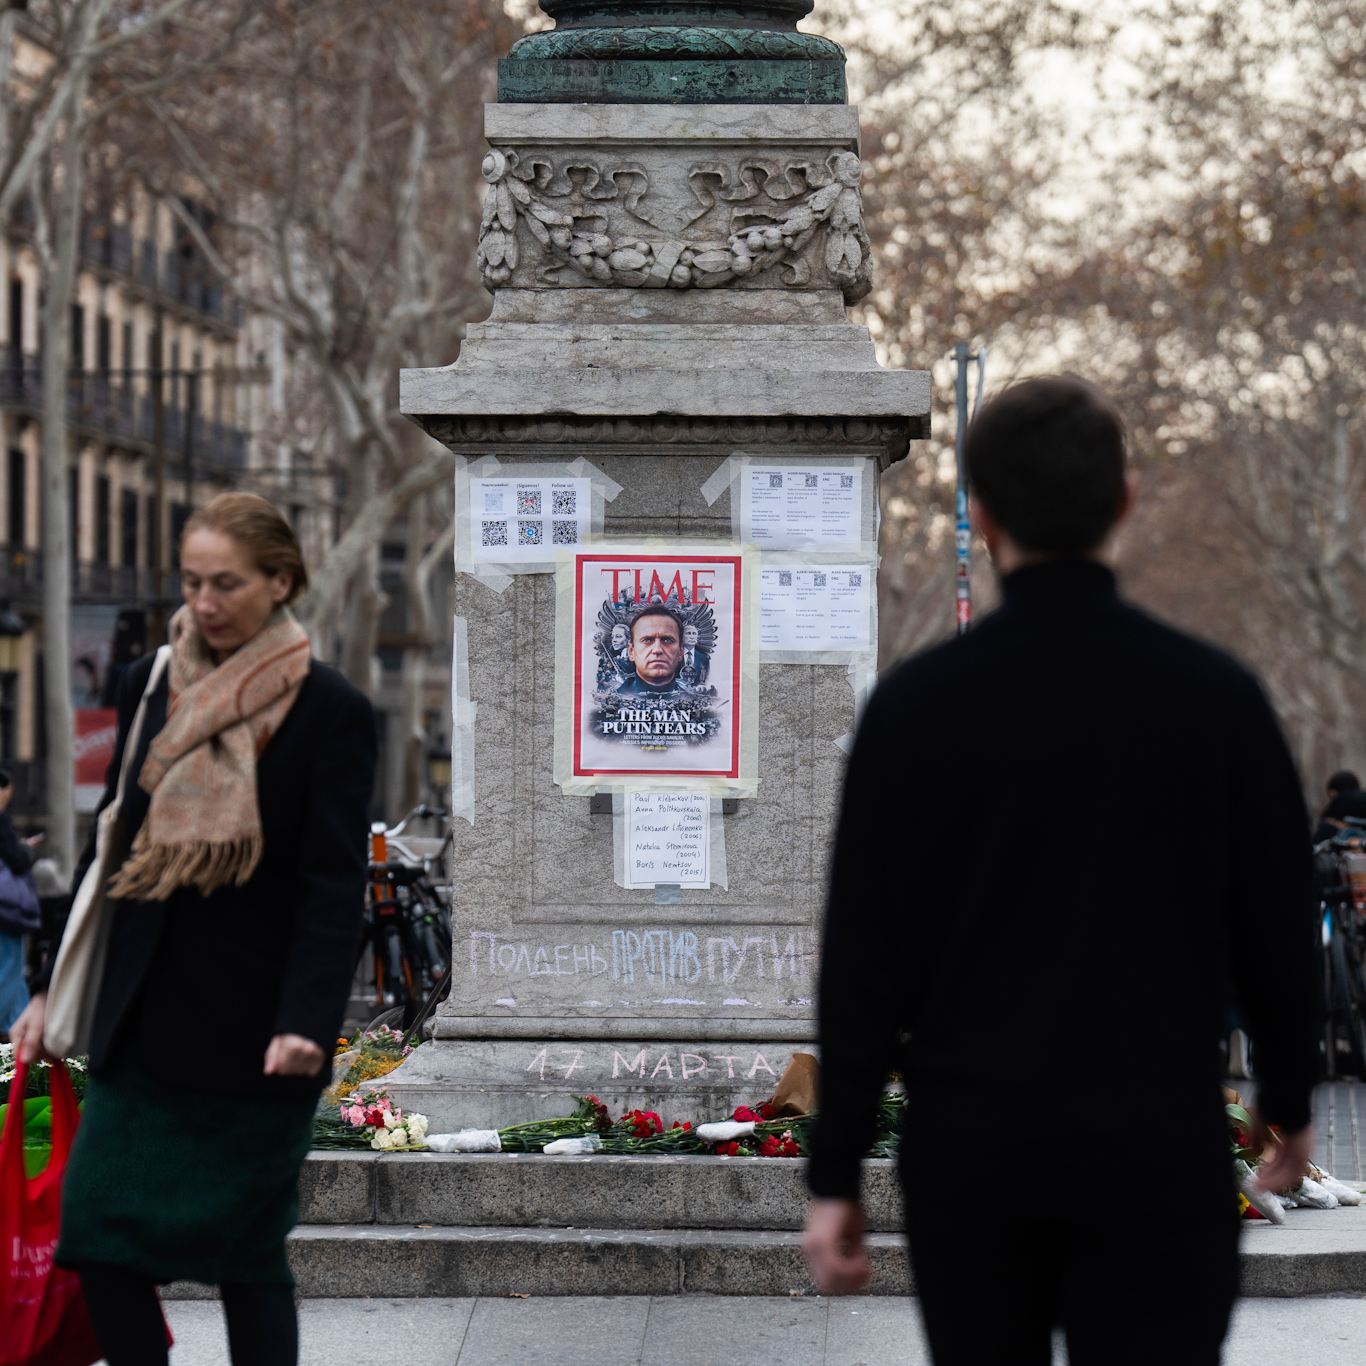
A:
530,1190
356,1260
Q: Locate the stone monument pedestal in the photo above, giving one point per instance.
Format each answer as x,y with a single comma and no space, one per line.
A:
670,283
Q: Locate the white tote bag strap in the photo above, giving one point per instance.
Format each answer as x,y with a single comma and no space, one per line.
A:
163,658
79,970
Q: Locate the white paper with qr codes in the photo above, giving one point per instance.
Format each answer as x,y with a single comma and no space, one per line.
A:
668,839
820,607
528,520
783,507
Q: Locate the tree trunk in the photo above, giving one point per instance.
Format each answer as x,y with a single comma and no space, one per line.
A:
56,512
362,624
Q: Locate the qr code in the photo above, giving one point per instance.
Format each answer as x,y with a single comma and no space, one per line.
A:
529,502
493,500
818,580
494,533
812,480
529,533
775,481
564,502
846,481
565,533
855,580
784,578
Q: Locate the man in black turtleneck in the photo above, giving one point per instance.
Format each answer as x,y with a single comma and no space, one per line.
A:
1047,960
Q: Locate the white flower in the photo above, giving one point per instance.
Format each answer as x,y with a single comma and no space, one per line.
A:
392,1120
417,1126
382,1139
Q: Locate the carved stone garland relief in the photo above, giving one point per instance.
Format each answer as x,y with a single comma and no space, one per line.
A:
806,197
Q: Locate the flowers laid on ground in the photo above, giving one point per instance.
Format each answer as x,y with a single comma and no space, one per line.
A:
1315,1188
369,1119
771,1128
640,1132
641,1123
760,1115
368,1055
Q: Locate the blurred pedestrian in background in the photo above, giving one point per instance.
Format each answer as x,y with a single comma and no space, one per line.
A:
234,940
1049,963
20,913
1345,798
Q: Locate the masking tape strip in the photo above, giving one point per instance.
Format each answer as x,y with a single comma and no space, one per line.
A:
720,479
863,680
497,575
566,721
716,835
463,712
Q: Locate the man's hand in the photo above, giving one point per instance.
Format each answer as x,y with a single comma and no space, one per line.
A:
26,1033
292,1055
833,1244
1284,1169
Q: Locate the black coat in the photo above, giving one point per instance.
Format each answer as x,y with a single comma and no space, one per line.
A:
195,987
18,856
1069,840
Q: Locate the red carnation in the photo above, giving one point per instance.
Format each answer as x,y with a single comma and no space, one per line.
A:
728,1150
643,1123
745,1115
770,1147
767,1112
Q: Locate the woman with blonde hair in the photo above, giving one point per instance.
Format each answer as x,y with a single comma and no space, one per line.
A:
236,918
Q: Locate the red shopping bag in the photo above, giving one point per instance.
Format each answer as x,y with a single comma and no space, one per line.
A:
43,1319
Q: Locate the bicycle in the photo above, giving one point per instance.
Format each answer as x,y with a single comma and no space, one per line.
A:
1340,864
407,923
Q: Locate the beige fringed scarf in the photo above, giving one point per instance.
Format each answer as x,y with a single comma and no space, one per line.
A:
203,826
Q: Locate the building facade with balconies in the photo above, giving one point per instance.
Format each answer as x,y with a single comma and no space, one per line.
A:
148,314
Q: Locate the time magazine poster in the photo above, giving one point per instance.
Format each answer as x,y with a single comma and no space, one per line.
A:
657,643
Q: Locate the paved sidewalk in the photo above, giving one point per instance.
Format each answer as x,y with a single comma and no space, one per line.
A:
692,1330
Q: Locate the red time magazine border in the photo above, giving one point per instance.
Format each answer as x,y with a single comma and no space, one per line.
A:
656,560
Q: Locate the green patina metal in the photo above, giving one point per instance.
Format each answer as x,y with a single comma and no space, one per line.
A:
764,14
673,52
660,43
669,82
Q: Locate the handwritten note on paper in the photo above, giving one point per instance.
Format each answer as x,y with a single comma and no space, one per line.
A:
824,607
789,506
668,838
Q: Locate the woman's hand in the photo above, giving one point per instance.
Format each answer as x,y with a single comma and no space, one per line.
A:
26,1033
291,1055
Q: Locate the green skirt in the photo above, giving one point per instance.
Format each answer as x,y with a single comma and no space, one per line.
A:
181,1186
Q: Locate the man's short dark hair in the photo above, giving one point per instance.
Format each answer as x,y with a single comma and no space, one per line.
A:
1046,459
1344,780
653,609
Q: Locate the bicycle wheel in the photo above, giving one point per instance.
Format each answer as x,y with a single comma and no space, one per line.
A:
397,980
1349,1006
